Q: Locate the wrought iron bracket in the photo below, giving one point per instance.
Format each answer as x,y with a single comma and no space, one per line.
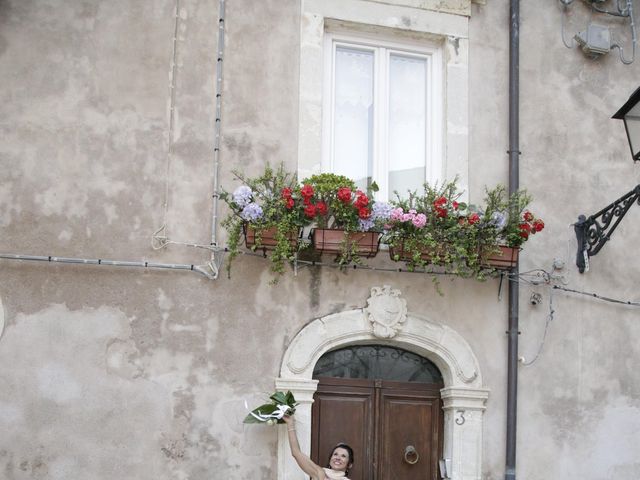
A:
594,231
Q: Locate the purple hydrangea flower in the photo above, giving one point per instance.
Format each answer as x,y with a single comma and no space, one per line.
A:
381,211
242,196
365,224
499,219
252,212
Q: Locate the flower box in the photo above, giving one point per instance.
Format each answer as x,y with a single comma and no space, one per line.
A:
400,254
364,244
266,239
504,259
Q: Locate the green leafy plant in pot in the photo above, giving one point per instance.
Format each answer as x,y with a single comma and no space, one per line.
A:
269,210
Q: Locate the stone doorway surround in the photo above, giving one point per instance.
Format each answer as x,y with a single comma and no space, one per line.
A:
385,321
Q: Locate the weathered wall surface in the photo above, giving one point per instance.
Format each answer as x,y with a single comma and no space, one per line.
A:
114,372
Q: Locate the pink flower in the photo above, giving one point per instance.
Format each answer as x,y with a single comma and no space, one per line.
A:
420,220
396,214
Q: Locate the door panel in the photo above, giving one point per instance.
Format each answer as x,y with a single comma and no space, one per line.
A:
409,431
343,412
379,419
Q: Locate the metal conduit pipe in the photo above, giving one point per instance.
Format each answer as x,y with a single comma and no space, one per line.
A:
203,270
217,128
514,288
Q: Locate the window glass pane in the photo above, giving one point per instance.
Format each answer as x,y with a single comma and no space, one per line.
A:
377,362
407,123
353,115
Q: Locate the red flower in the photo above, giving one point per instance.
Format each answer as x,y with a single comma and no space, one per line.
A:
440,202
441,212
474,218
289,203
306,191
538,225
455,205
364,212
306,201
524,227
344,194
361,200
286,193
527,216
321,207
310,211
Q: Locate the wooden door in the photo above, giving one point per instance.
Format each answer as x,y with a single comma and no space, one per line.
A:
395,428
410,431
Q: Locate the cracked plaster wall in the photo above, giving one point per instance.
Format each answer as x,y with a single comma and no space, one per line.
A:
143,374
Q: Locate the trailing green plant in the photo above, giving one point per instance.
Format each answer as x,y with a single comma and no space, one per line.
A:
432,228
435,228
508,221
269,201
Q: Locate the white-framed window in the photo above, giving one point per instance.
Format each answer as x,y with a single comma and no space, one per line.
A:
382,111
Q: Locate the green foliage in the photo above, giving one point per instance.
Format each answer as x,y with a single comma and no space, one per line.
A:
431,229
510,223
268,412
434,228
334,202
274,191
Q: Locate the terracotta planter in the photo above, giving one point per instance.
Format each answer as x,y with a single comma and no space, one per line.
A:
267,237
332,241
405,256
505,259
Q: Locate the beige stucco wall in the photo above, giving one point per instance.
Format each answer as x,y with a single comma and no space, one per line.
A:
112,372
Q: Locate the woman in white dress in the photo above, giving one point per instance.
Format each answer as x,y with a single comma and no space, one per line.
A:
340,462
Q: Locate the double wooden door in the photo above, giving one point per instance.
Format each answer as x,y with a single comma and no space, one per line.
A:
394,428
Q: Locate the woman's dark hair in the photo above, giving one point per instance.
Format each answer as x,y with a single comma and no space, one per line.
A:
349,451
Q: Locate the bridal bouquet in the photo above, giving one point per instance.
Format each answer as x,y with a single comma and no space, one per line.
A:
281,404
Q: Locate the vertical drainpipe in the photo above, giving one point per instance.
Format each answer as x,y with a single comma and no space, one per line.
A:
514,290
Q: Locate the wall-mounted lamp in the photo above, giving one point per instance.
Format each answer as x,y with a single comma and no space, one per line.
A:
630,114
593,232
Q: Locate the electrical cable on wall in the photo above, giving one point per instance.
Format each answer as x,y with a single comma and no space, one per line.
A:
599,297
598,39
544,335
159,238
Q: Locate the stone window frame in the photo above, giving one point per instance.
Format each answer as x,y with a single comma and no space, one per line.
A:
403,18
464,397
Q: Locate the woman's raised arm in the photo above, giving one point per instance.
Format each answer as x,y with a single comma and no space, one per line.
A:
305,463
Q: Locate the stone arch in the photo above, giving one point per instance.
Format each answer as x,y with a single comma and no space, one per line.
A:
463,395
